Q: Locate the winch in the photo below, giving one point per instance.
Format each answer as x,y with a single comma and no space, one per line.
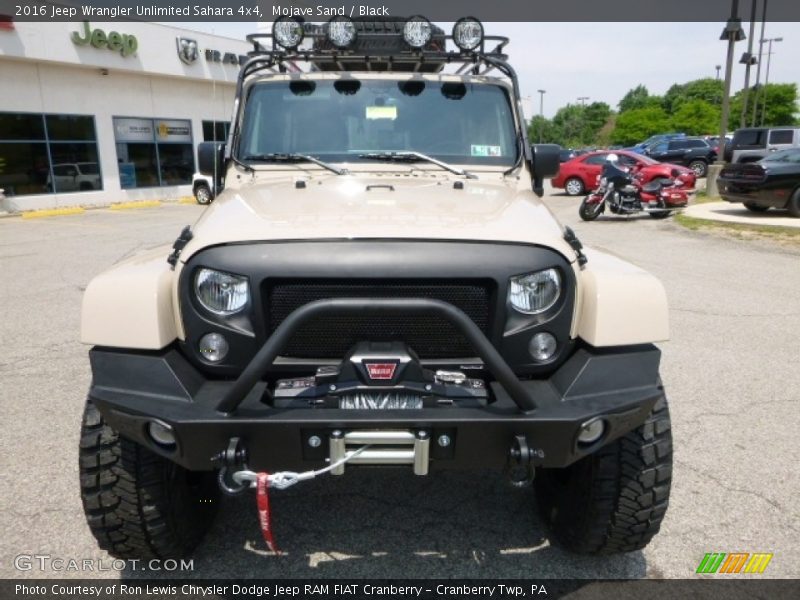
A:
380,376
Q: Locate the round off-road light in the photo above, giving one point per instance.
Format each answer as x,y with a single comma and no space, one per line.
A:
214,347
417,31
468,33
161,433
341,31
542,346
288,32
591,431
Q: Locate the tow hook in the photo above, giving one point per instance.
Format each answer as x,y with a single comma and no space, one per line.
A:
520,462
234,457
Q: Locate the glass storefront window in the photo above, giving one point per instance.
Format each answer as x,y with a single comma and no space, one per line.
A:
215,131
46,153
153,152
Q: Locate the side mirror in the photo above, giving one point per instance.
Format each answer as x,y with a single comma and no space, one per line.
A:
545,163
211,159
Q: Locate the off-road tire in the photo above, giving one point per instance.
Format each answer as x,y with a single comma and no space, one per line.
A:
756,208
615,499
138,504
588,212
794,204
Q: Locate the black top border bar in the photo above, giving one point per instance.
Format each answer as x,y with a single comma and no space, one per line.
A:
439,11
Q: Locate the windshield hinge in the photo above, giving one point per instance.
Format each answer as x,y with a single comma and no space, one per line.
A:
184,238
575,244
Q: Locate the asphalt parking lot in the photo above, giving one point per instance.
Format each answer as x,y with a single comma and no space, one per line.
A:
731,372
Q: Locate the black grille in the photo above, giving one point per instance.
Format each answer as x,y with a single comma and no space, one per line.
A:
333,336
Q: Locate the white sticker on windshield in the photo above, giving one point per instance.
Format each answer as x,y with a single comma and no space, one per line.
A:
481,150
382,112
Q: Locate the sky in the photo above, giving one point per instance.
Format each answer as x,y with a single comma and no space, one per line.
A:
605,60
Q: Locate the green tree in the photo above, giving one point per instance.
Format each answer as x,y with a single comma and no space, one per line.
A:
708,90
637,98
635,125
696,117
781,105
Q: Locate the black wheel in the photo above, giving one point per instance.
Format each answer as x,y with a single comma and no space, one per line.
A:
589,212
138,504
202,194
615,499
700,167
794,204
574,186
756,208
660,215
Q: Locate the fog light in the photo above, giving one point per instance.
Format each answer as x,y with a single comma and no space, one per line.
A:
591,431
213,347
542,346
341,32
288,32
417,32
161,433
468,33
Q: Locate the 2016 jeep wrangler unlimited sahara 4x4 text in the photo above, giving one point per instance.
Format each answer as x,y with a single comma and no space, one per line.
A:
377,284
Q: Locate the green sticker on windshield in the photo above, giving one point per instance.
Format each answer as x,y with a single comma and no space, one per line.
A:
382,112
482,150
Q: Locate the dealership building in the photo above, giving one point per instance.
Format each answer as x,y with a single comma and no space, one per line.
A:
98,113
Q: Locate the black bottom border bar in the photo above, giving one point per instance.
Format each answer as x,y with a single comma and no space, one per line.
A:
730,588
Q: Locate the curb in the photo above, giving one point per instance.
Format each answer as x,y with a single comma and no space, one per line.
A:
51,212
131,205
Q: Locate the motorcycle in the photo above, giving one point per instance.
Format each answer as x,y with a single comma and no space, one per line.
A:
625,193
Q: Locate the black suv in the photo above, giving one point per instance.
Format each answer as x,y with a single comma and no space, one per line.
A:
694,153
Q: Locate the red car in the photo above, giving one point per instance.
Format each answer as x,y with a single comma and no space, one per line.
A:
579,175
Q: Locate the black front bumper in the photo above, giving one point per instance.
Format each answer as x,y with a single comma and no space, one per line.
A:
133,388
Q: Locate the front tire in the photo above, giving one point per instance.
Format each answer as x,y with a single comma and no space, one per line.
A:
202,194
615,499
574,186
589,212
756,208
138,504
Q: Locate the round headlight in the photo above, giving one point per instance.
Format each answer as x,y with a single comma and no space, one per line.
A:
287,32
213,347
468,33
535,293
221,293
417,32
341,32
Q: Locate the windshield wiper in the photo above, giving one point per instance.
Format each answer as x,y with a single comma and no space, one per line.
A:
293,157
411,155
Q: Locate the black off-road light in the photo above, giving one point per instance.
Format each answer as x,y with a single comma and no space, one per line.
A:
341,31
417,31
288,32
468,33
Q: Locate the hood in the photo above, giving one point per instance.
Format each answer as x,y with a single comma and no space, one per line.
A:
378,206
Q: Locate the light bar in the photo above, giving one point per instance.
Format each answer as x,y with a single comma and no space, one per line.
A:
417,31
468,33
288,32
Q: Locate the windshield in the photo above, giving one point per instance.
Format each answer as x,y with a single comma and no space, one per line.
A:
336,121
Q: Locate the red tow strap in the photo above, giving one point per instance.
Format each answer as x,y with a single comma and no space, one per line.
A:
264,515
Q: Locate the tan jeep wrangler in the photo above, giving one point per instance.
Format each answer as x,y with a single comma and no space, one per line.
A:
378,283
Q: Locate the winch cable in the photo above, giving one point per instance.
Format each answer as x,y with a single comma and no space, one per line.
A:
262,481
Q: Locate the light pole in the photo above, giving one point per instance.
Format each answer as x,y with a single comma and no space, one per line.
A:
748,60
718,67
541,114
732,33
766,78
583,99
756,87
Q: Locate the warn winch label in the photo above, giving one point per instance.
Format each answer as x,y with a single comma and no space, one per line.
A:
381,370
